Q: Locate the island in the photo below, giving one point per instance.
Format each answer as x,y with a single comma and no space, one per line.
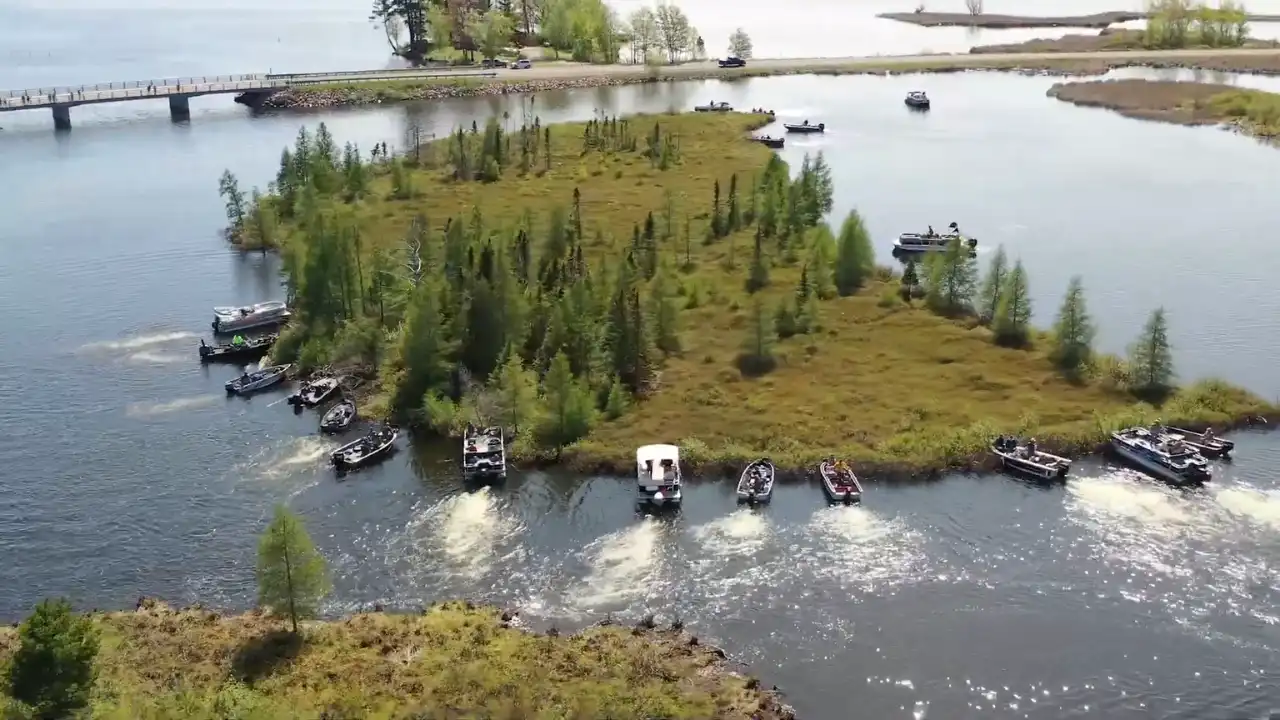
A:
1253,112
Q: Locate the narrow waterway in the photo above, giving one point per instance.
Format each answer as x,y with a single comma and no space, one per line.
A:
127,471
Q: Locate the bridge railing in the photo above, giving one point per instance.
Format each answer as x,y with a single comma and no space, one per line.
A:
133,84
17,102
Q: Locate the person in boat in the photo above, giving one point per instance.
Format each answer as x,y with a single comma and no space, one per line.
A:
1031,448
237,341
1208,434
244,378
931,233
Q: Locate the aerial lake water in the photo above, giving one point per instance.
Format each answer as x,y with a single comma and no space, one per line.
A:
127,472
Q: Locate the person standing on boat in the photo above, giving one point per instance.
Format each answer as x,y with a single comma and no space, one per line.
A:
237,340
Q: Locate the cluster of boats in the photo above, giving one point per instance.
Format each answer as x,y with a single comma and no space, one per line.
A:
661,484
1173,455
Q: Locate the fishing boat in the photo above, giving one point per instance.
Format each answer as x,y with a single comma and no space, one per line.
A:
484,455
839,481
246,349
930,241
1206,443
1027,459
314,391
917,99
339,417
252,382
770,141
713,107
805,127
358,453
756,483
658,479
1165,458
246,317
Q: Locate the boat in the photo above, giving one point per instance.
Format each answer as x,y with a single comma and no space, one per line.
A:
484,456
252,382
756,483
658,475
358,453
805,127
248,349
1027,459
315,391
931,241
839,482
339,417
917,99
713,107
1165,458
233,319
1206,443
770,141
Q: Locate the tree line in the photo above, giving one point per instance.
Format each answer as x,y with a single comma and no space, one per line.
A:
1181,23
52,673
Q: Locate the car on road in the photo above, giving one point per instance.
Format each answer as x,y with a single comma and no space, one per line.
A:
521,64
733,62
492,63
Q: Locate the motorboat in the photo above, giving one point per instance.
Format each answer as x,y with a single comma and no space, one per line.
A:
917,99
245,349
658,475
756,483
839,481
714,107
484,456
770,141
805,127
358,453
1206,443
1165,458
315,391
1027,459
264,314
339,417
252,382
930,241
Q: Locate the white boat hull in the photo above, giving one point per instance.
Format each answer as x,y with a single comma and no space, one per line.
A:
1153,468
660,499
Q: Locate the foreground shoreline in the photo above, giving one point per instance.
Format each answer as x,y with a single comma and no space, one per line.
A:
564,76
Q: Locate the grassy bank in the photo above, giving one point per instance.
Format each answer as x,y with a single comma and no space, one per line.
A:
661,278
452,661
1254,112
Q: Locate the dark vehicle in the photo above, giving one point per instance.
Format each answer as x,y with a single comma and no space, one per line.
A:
733,62
492,63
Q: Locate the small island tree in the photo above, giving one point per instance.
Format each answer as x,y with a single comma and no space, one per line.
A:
292,574
52,671
952,275
1151,359
1072,345
740,44
992,285
1012,321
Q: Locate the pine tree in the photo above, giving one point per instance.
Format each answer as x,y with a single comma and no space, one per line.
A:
734,217
1151,359
1012,321
662,309
952,275
820,260
229,188
758,275
617,401
425,351
1073,331
52,669
784,320
569,410
515,390
757,357
992,285
717,221
292,575
855,260
910,280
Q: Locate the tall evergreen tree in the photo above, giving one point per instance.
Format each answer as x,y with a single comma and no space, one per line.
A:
662,308
821,257
1151,359
425,352
757,356
292,575
52,670
952,276
992,286
570,411
1012,322
515,389
1073,331
758,275
855,260
733,218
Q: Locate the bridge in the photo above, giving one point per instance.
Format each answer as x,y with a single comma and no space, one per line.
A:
179,91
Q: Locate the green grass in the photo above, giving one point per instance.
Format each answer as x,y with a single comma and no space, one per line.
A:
1257,112
452,661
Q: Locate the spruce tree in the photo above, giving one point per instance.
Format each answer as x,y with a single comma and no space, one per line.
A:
820,259
992,286
662,308
784,320
734,217
515,390
1073,331
910,280
952,276
52,670
569,412
855,260
425,352
717,222
757,357
758,275
1151,359
617,400
292,575
1012,321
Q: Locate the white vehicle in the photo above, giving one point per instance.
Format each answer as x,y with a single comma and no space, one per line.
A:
658,475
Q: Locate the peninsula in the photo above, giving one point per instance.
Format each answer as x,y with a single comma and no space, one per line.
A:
597,286
1253,112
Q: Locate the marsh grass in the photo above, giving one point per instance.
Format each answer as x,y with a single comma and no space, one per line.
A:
452,661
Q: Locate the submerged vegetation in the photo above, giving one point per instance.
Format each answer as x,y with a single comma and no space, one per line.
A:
595,286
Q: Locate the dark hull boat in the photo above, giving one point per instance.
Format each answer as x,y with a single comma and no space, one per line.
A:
251,349
1207,444
258,380
1021,458
771,142
839,482
339,417
756,483
359,453
314,392
917,100
805,127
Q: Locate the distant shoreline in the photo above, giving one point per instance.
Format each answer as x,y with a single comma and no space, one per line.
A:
1007,22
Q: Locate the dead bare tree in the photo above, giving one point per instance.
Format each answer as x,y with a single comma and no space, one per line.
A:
974,7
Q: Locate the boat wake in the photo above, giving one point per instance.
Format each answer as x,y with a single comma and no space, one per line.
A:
139,342
624,567
853,545
298,459
469,529
157,358
1261,507
146,410
742,532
